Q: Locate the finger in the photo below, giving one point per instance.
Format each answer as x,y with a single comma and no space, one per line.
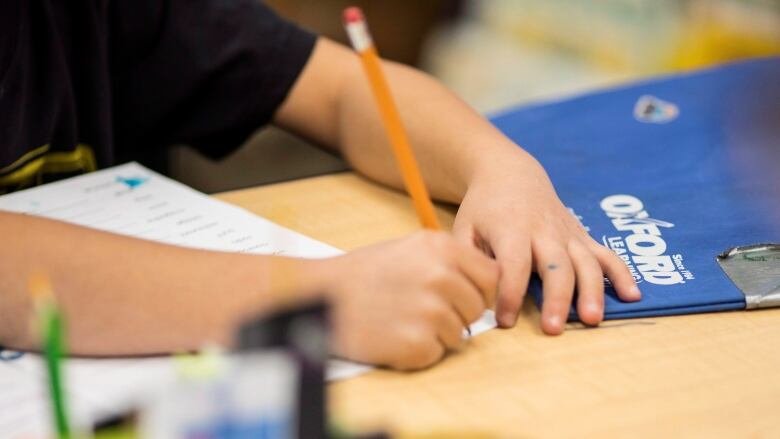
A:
617,272
481,270
463,297
590,283
554,267
514,259
446,322
416,348
440,315
450,330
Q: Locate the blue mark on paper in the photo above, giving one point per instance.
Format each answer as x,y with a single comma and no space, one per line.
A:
132,182
6,355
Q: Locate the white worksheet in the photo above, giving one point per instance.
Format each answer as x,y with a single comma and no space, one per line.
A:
135,201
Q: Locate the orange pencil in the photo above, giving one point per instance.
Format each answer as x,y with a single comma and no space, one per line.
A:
415,186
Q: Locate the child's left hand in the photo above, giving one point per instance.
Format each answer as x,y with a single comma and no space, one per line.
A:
512,212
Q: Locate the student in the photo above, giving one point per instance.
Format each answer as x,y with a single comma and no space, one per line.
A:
92,83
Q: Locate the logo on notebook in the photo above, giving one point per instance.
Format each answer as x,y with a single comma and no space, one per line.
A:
643,249
650,109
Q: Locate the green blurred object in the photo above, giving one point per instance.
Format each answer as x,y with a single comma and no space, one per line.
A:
54,347
51,324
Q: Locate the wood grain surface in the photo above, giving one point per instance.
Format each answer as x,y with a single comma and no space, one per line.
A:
707,375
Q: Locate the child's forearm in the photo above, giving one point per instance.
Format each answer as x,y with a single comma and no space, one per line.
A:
129,296
401,303
452,142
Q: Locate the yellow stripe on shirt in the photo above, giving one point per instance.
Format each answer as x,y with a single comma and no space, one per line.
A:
31,168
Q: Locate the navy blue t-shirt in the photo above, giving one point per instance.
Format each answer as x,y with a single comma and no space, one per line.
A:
86,84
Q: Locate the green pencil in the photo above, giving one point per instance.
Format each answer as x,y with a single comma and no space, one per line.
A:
51,325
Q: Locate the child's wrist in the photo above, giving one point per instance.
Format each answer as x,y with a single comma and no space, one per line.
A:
318,277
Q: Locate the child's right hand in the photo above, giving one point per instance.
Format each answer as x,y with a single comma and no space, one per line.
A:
404,303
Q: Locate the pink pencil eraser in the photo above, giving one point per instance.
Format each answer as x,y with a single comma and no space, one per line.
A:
353,14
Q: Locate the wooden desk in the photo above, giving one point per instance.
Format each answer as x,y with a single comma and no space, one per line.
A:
712,375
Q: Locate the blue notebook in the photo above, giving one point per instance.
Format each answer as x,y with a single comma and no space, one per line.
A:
669,173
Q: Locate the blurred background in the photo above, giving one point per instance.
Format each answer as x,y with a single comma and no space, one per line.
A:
501,53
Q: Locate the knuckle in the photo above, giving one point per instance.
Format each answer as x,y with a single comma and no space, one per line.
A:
431,310
420,350
587,265
438,278
600,251
612,258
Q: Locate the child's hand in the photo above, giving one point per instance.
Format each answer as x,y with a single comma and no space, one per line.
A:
508,205
511,211
404,303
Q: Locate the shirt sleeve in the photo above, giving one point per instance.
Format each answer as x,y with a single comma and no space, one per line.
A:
202,72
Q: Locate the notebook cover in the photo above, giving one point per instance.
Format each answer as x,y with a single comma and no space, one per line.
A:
697,155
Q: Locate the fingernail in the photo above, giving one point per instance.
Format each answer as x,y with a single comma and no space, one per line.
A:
593,308
554,322
634,292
